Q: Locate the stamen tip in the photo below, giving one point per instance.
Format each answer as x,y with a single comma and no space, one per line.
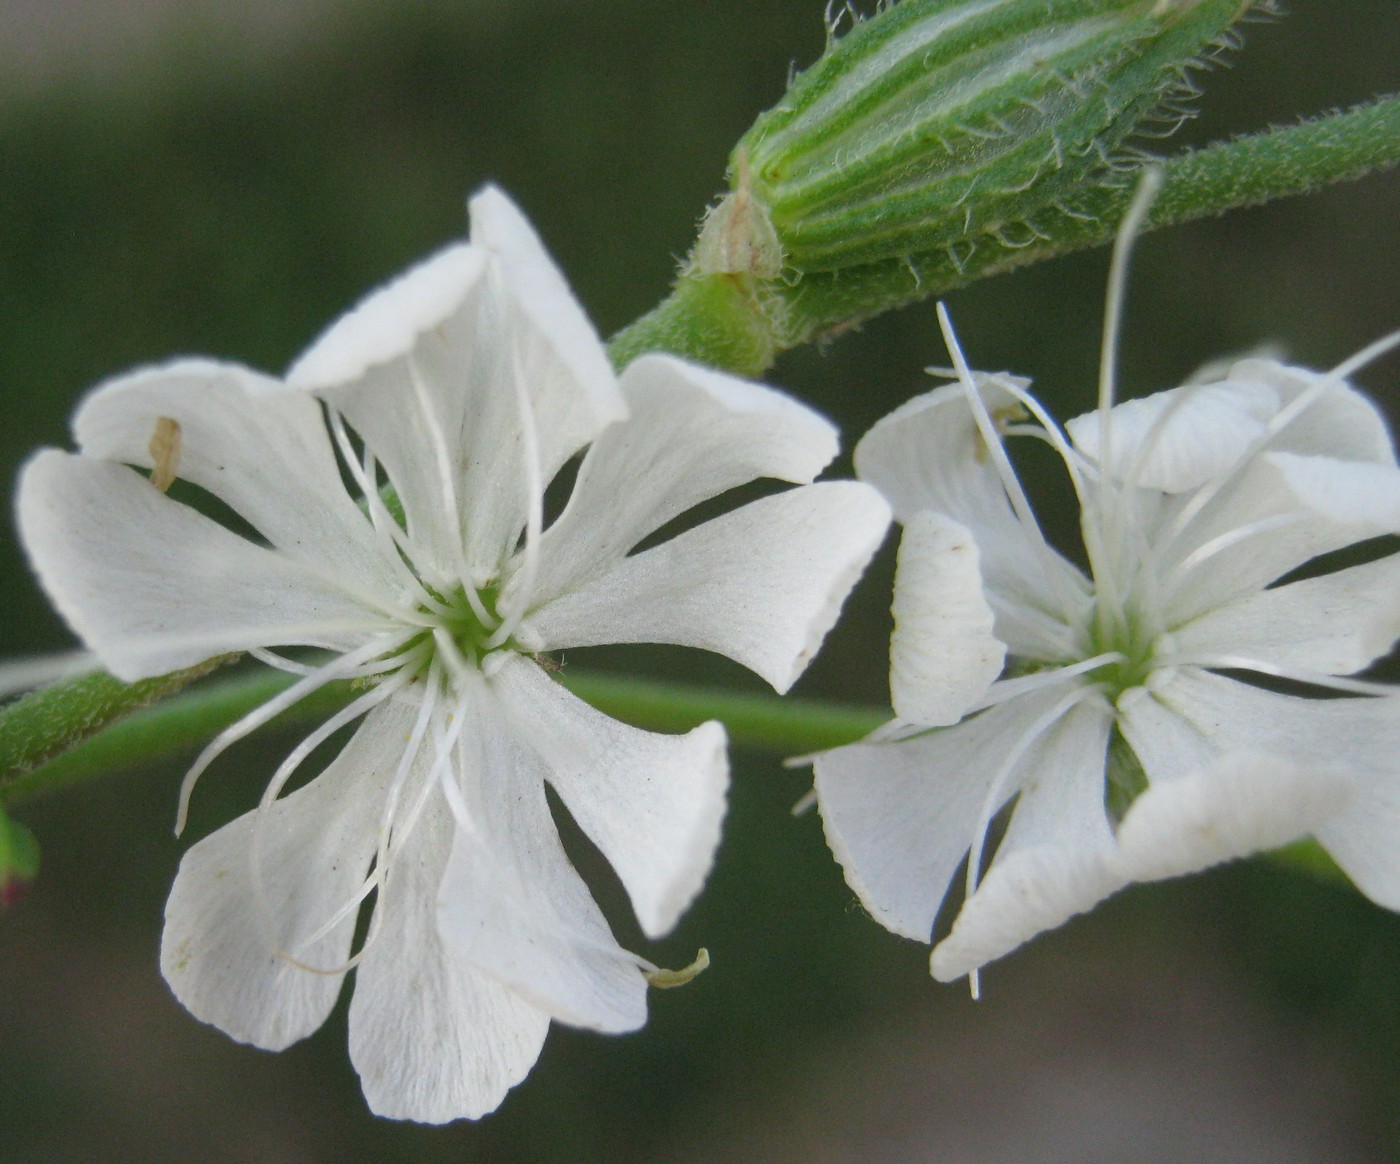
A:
664,979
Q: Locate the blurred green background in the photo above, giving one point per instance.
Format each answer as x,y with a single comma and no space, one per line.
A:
201,177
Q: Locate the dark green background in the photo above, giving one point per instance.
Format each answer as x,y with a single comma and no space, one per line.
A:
198,199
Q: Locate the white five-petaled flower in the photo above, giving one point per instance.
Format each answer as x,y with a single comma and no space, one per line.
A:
465,386
1126,711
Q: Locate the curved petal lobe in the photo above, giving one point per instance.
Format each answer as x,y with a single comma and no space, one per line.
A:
651,803
943,654
226,953
433,1038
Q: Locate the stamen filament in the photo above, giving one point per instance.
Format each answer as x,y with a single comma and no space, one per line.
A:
1275,671
1020,503
451,516
338,668
284,772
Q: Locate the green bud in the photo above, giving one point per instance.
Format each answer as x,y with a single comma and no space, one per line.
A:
19,860
938,121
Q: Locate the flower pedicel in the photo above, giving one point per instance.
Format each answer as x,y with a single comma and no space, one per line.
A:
464,386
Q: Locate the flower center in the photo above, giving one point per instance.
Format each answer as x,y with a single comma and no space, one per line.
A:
1123,631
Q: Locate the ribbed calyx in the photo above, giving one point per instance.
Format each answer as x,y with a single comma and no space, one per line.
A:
938,121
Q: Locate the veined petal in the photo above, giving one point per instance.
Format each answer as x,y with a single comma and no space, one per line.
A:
930,455
389,322
1355,740
1326,624
1290,509
252,442
153,586
1056,858
1245,802
762,584
491,331
943,654
433,1038
1179,439
225,951
1034,890
1342,424
899,816
692,434
651,803
512,905
543,297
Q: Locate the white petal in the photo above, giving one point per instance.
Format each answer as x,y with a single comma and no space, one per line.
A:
152,586
1293,509
1179,439
1356,740
651,803
218,952
929,455
1245,802
1348,492
943,654
252,442
543,297
1343,423
442,410
433,1038
692,433
390,321
899,816
1055,860
1335,624
512,905
762,584
1033,891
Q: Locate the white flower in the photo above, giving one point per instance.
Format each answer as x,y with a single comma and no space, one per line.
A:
466,385
1133,726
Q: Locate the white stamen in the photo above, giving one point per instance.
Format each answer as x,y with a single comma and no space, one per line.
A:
284,772
1006,689
1279,422
1224,541
1273,670
1110,528
338,668
1020,503
451,515
1013,756
395,545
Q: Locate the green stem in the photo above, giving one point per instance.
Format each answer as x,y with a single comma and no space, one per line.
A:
183,723
796,308
43,724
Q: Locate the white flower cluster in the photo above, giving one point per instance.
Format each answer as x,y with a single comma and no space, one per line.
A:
463,387
1189,698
